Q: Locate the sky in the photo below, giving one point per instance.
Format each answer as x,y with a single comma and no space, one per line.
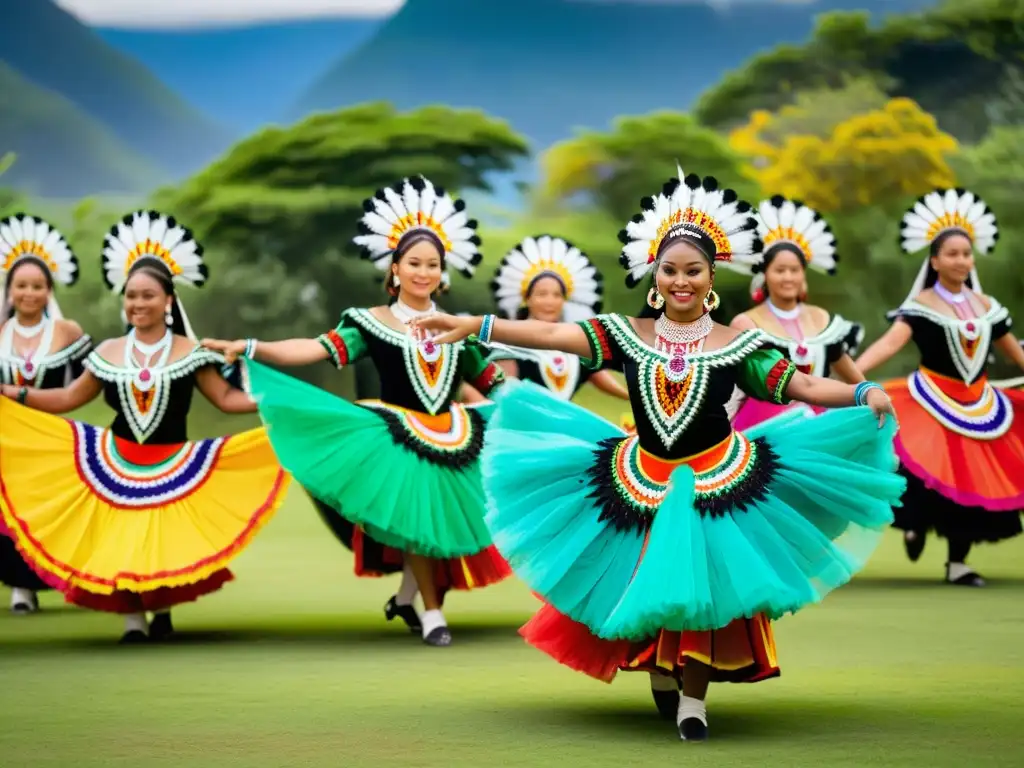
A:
190,14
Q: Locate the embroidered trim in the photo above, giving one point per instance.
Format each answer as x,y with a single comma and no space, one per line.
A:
123,484
490,377
454,448
778,379
987,418
600,344
559,371
671,406
432,368
335,345
144,411
10,367
811,354
629,498
968,341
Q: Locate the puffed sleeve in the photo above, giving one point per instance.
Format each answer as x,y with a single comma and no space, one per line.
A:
345,343
765,374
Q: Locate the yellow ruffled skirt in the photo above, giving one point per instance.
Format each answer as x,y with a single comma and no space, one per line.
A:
123,527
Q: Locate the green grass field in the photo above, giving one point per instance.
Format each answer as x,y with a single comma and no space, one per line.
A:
293,664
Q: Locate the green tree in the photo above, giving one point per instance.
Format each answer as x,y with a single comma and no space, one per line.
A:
618,168
294,195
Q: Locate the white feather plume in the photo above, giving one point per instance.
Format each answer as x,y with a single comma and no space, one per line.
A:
23,236
547,255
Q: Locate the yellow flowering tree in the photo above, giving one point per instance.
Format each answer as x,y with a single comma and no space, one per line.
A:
818,152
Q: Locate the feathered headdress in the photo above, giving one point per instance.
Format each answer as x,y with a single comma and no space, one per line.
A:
714,219
150,236
786,221
413,205
23,237
946,210
543,255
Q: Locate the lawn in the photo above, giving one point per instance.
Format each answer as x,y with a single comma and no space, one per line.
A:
293,664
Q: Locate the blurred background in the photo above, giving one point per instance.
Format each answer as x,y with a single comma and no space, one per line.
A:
263,125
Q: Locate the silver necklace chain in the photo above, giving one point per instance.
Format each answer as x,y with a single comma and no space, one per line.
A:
683,333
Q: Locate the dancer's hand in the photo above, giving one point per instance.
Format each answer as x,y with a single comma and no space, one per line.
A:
230,349
449,328
881,406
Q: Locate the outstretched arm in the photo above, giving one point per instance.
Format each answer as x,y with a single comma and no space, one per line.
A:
82,390
827,393
607,383
218,391
290,352
533,334
882,350
847,370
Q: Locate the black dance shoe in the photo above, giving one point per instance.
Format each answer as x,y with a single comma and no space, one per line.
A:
134,637
439,637
693,729
969,579
915,545
22,609
405,612
160,628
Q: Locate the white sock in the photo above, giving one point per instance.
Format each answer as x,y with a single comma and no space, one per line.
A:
955,570
431,620
20,595
408,589
691,708
135,622
663,683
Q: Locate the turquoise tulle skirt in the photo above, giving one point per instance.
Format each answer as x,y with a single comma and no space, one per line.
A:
768,522
412,481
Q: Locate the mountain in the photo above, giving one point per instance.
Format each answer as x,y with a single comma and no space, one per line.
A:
243,77
62,152
550,66
55,51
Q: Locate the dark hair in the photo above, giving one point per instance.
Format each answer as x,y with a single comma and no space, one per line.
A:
158,272
695,237
405,244
524,312
932,276
9,281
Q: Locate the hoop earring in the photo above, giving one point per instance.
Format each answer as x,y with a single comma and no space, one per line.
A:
654,299
711,301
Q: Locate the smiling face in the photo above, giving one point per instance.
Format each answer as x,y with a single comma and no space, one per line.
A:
419,270
146,301
785,276
955,259
683,278
546,299
29,289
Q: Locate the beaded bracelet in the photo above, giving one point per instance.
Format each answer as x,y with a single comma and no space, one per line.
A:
860,392
250,349
486,325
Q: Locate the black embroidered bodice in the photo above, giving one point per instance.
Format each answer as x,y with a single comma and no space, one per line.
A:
46,368
681,415
953,347
423,377
151,408
560,373
815,355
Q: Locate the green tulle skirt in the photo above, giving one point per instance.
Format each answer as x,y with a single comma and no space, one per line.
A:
411,485
793,509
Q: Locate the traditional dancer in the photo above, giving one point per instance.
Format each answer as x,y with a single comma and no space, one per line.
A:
546,278
136,517
795,237
961,449
404,468
38,348
671,550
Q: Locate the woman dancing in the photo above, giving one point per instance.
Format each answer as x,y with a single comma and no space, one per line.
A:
404,468
38,348
545,278
671,550
961,449
795,237
136,517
